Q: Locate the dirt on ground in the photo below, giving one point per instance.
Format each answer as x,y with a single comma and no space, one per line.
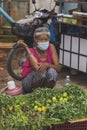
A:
80,78
76,77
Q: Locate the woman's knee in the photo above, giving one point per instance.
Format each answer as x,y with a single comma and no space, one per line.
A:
52,74
27,88
27,83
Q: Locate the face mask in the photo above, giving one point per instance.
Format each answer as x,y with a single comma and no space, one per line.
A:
43,45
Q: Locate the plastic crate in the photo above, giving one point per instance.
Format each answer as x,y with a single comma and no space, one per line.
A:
72,125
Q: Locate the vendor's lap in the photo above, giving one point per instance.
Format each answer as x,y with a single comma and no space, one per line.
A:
34,80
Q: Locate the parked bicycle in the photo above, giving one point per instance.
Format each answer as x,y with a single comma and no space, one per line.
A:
24,29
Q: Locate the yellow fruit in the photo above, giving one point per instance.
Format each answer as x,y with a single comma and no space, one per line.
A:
61,99
65,94
39,109
47,105
48,101
32,104
17,106
11,108
23,103
43,109
65,99
37,103
36,108
74,21
54,99
70,97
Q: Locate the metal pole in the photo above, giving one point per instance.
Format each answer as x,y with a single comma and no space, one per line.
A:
1,4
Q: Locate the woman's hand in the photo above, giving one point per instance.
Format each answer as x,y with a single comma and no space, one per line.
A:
42,67
21,43
36,66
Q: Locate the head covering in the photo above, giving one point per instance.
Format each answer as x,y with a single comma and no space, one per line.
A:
41,30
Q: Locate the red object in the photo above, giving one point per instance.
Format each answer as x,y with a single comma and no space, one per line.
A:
82,125
15,91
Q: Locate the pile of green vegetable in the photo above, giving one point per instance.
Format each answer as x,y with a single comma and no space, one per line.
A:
43,107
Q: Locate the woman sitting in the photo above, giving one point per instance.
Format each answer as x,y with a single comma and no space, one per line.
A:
41,66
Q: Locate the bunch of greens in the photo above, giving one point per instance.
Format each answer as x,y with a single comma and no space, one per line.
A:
43,107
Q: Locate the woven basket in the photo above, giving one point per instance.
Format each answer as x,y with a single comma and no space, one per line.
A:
72,125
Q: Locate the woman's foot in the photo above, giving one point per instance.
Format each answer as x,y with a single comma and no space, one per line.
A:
39,83
51,84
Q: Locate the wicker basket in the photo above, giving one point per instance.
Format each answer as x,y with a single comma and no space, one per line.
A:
72,125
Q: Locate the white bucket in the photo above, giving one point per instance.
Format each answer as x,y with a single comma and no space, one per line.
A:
11,85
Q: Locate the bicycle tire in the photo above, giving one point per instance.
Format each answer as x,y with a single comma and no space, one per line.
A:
10,59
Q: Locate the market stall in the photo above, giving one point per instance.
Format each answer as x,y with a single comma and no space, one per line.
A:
73,47
56,109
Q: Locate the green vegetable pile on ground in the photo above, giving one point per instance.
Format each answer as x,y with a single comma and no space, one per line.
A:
43,107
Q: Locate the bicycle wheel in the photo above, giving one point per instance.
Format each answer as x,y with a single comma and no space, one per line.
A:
14,62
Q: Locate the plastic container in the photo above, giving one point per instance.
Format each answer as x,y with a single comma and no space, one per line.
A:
11,85
15,91
12,89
